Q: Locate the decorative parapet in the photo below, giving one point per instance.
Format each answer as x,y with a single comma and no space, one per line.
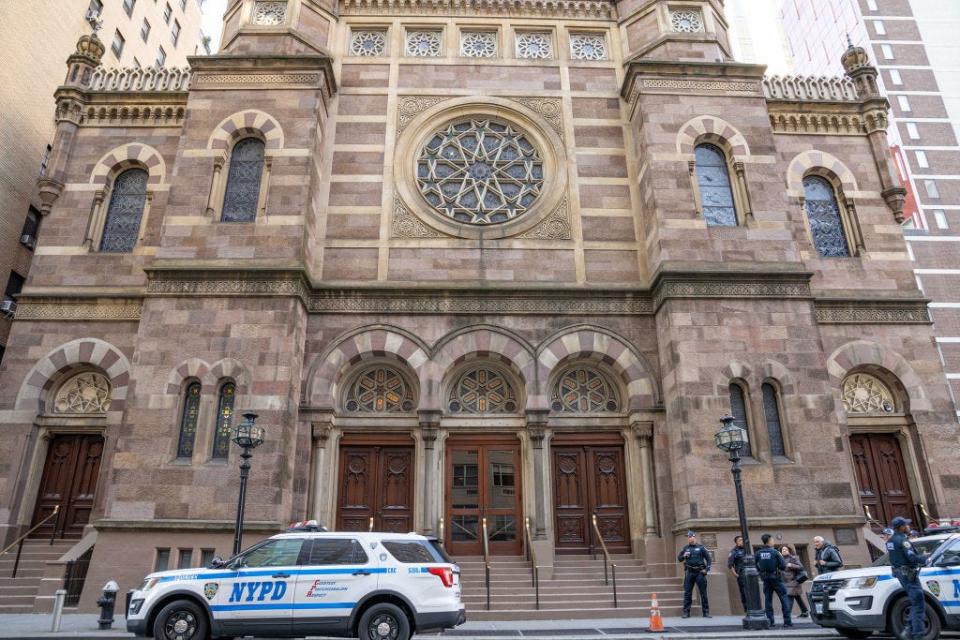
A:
810,89
584,9
130,79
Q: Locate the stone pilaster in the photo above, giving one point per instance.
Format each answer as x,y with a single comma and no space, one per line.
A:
432,475
319,476
643,432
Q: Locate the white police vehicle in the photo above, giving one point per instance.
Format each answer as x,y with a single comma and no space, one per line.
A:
859,602
373,586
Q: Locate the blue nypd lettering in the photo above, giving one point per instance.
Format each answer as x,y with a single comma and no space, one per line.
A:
956,589
258,591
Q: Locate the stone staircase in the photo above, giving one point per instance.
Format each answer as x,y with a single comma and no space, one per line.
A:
17,594
576,590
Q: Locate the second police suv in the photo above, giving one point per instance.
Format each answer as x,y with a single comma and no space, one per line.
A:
373,586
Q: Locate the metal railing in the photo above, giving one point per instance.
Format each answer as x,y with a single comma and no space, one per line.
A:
606,561
74,575
486,560
440,536
18,543
924,516
873,522
371,524
532,557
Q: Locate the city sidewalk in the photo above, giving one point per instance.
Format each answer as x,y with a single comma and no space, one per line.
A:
85,626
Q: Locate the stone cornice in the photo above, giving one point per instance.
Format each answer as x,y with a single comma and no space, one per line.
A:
730,284
582,9
227,282
700,78
872,311
223,72
79,309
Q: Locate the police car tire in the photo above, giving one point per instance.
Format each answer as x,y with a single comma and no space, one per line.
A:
384,613
190,613
897,626
855,634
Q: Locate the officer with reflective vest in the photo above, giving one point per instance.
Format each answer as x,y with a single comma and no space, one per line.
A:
906,563
696,565
770,563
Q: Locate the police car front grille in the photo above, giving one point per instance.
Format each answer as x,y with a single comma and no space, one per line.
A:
829,587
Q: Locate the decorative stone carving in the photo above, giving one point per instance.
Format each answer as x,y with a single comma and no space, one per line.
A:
810,89
584,390
269,13
482,390
83,393
368,43
254,283
730,286
478,44
79,310
588,46
535,45
686,21
550,109
864,393
412,106
835,123
266,79
407,225
590,9
423,44
153,79
872,312
725,86
135,115
380,389
555,227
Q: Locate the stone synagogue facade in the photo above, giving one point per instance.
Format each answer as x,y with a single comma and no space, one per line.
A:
467,260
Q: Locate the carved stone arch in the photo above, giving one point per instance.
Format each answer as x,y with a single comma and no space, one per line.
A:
820,163
892,368
355,346
192,368
251,122
130,156
72,357
714,130
772,370
234,370
585,342
476,342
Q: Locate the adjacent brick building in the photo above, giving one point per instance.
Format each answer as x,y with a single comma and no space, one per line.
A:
469,262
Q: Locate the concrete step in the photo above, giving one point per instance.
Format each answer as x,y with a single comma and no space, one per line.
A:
564,613
17,608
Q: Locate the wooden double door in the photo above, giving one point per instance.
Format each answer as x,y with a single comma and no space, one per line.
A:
483,481
376,482
69,481
590,479
882,476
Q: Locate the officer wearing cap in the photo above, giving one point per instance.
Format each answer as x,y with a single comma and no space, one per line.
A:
906,564
770,563
696,565
735,565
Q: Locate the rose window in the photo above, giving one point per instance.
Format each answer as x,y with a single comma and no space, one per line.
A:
423,44
482,390
368,43
480,172
380,390
584,390
478,44
269,13
585,46
686,21
83,393
534,45
863,393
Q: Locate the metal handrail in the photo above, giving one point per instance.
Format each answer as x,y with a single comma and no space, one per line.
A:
924,514
440,537
371,524
606,561
532,556
870,519
18,543
486,561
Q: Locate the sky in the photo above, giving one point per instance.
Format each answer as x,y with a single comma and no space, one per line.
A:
760,18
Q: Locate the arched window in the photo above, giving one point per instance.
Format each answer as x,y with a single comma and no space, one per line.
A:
188,420
482,390
224,430
584,390
738,409
380,390
823,213
243,181
771,412
713,180
122,225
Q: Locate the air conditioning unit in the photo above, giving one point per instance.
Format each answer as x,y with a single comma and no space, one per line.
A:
28,241
8,307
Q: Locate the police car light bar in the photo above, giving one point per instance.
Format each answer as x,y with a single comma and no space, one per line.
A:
307,525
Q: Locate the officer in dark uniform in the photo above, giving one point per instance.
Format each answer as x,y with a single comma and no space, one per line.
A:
735,565
696,565
770,563
906,564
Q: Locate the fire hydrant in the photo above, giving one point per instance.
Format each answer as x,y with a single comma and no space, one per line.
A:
107,603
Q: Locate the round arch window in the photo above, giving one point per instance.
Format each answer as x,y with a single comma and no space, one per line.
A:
380,389
480,171
584,390
482,390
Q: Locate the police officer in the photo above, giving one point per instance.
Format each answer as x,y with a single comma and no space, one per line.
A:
696,565
906,563
735,565
770,563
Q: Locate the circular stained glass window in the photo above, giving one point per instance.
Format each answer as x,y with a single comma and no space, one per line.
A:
480,172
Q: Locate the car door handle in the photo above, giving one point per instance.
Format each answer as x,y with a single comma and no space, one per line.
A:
281,575
361,573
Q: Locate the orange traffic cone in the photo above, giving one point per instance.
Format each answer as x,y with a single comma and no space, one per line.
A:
656,622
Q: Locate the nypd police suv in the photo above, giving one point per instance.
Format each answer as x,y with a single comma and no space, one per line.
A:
859,602
373,586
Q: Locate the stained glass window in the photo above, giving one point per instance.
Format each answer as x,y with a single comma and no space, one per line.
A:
771,412
423,44
686,21
864,393
480,172
122,225
713,178
243,181
221,438
584,390
823,213
482,390
738,409
188,420
380,390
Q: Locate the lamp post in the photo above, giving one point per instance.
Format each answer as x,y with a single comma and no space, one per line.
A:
731,439
248,437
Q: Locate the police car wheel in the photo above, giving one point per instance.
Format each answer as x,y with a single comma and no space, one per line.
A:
855,634
384,622
900,621
180,620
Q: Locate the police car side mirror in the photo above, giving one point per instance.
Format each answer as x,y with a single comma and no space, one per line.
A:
216,563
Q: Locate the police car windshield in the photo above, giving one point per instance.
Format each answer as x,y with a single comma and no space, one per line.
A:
922,546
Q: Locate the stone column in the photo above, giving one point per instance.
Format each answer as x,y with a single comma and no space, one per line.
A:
537,432
320,434
432,477
643,431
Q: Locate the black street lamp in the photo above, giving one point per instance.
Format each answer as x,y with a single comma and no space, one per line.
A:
731,439
248,437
